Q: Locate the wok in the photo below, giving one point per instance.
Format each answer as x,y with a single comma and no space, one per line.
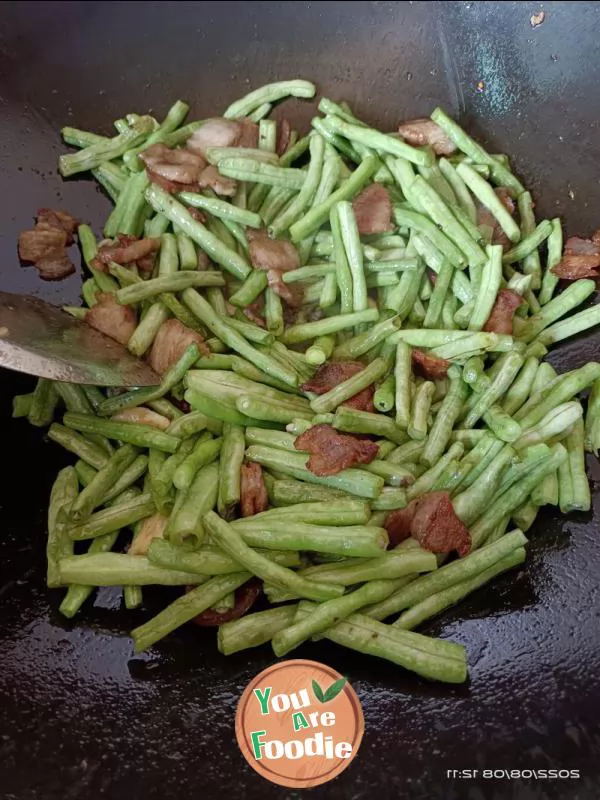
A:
80,715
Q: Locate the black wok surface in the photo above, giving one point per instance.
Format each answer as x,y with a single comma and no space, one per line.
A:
80,714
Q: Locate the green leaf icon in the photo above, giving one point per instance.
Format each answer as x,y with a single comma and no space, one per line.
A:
318,692
334,690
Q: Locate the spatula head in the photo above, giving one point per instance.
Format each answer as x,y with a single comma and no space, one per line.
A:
41,339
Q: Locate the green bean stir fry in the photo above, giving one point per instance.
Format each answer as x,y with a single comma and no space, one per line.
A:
244,269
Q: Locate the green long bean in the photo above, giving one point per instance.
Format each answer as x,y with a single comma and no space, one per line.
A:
353,481
384,396
306,194
329,613
346,511
442,216
80,445
529,243
554,309
342,268
232,457
186,608
470,504
570,327
432,658
436,603
164,203
320,350
129,432
580,499
360,134
351,420
426,481
59,545
95,154
515,495
229,540
202,309
393,564
147,330
167,283
447,576
562,389
173,376
253,630
114,518
421,406
521,388
43,403
445,419
319,213
496,388
500,174
204,452
433,236
311,330
488,288
95,492
554,423
284,533
351,386
270,93
21,405
354,254
555,247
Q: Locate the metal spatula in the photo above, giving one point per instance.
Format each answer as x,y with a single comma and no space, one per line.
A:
41,339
